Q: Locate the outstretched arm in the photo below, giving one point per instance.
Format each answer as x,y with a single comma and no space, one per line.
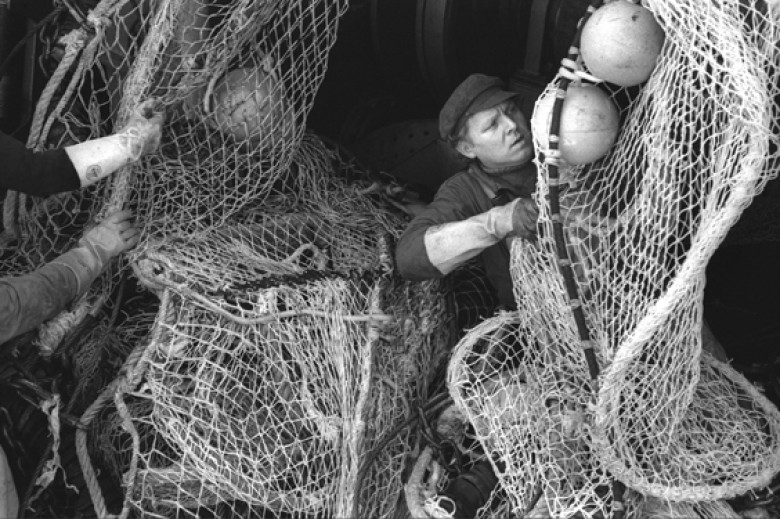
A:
95,159
79,165
451,231
27,301
452,244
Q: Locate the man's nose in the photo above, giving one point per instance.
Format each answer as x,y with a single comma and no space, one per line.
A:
511,125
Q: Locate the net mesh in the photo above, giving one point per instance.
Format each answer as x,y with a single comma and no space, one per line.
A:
237,80
279,414
697,143
278,345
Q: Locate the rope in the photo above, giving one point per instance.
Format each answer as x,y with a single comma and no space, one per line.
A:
364,393
76,40
564,262
127,424
128,377
10,223
74,45
10,226
414,486
570,72
371,317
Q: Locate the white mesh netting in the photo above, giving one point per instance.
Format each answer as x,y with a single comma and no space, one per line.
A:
282,345
237,80
697,142
274,396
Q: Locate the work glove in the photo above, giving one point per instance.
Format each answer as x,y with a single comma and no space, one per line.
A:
98,246
144,128
525,214
516,219
111,237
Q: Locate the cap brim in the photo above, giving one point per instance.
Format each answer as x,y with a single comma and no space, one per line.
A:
489,99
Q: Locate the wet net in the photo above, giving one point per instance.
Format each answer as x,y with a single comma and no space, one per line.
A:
600,375
279,345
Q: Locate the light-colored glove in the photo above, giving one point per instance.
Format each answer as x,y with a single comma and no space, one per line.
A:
97,158
112,236
144,128
451,244
517,219
98,246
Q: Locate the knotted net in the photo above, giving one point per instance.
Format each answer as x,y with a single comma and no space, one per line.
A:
236,79
270,391
619,272
282,345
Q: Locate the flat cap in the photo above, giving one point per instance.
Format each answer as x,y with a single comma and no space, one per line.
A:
476,93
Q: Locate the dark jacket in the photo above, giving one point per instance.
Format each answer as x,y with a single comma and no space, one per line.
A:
35,173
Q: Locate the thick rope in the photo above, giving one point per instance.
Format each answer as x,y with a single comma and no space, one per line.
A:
73,48
127,424
357,424
128,379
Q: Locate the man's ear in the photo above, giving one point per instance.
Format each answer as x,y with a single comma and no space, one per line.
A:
466,149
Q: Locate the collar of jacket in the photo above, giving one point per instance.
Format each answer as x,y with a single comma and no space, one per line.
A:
518,180
528,166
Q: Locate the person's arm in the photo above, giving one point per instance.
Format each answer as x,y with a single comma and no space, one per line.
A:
451,244
35,173
95,159
78,165
27,301
447,233
9,499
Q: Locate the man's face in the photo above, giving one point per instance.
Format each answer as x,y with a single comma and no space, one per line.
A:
498,137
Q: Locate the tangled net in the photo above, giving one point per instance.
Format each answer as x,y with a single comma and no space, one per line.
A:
215,159
273,395
281,344
600,375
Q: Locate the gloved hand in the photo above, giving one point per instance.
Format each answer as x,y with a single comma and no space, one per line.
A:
525,214
515,219
111,237
95,249
144,128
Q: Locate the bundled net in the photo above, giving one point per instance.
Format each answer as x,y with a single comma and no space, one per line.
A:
284,349
282,345
270,397
236,80
600,375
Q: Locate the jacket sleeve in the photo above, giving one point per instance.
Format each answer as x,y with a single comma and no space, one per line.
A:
35,173
452,203
29,300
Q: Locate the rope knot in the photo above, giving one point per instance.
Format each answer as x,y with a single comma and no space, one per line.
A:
97,23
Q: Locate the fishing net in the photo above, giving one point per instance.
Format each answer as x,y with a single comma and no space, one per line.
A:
281,343
600,374
236,79
270,397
